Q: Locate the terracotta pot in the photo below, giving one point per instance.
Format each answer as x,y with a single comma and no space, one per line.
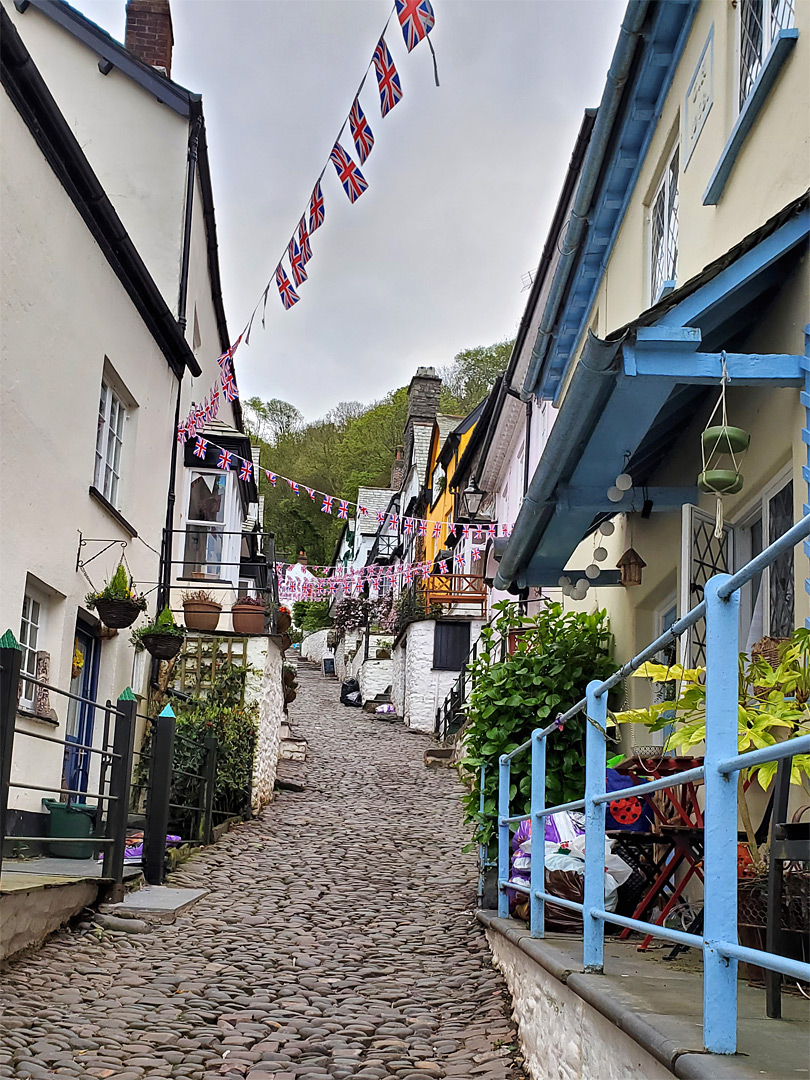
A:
117,613
248,619
288,675
289,696
286,642
201,614
162,646
283,622
383,654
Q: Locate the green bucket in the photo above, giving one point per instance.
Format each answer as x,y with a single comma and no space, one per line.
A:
75,820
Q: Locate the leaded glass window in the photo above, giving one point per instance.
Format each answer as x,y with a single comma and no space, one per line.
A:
760,23
664,229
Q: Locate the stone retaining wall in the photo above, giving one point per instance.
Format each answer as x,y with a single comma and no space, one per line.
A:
270,698
314,647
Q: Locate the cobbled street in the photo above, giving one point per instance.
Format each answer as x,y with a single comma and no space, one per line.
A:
337,940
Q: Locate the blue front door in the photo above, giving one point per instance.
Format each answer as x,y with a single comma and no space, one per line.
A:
80,715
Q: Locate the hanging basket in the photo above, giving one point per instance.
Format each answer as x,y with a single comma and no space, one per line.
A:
289,695
162,646
117,614
725,439
720,481
283,622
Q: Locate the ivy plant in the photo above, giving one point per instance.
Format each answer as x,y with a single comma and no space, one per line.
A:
556,654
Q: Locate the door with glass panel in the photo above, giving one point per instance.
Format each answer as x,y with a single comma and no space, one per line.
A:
81,715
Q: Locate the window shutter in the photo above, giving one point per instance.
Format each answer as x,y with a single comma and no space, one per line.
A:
451,645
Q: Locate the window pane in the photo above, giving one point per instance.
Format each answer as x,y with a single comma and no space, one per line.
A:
672,220
658,241
780,519
207,497
751,45
203,551
783,15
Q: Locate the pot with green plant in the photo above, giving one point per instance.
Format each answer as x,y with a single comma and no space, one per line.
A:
283,619
289,681
383,651
162,637
118,604
248,615
201,610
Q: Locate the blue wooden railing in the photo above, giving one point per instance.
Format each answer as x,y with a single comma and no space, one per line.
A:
722,762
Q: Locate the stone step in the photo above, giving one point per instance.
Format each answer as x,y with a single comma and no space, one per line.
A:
155,903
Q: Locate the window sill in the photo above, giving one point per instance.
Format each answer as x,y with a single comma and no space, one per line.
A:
28,714
772,65
108,506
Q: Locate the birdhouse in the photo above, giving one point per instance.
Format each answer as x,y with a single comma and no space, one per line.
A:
631,564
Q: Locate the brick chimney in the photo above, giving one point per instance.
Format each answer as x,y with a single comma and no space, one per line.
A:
423,394
149,35
398,469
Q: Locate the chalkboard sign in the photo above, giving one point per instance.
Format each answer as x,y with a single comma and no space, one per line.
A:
329,665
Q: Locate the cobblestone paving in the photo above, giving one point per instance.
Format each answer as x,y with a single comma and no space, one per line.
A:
337,940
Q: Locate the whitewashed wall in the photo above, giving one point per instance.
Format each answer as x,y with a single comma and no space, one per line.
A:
314,646
417,688
375,677
268,692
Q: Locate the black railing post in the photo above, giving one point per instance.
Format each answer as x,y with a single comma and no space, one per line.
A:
157,803
209,788
10,664
120,777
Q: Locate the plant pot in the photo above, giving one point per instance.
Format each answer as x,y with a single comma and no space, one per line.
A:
283,622
289,695
201,614
725,439
162,646
720,482
248,619
117,614
383,654
288,675
286,642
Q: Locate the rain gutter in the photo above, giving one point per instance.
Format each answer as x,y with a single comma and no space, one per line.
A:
629,35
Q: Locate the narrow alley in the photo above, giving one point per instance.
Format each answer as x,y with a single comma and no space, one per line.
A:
336,940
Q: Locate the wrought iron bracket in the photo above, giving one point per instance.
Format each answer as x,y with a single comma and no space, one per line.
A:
85,540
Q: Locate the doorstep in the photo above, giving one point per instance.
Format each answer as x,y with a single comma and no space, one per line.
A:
156,903
657,1006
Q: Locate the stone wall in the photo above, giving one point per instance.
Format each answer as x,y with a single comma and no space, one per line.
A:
375,677
417,688
28,916
314,647
270,697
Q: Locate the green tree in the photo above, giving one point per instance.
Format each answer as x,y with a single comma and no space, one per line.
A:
470,377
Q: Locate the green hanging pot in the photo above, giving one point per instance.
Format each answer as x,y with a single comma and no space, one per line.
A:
720,482
725,439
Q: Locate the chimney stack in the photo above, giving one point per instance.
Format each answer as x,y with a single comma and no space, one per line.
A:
398,469
149,35
423,394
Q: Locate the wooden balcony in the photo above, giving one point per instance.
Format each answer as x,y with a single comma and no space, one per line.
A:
458,590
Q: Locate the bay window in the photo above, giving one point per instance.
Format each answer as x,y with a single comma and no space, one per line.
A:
213,527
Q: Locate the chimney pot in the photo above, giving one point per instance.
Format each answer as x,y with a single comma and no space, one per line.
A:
149,35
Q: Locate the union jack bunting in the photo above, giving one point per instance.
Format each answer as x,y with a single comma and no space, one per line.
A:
224,459
343,509
465,531
182,432
293,486
476,554
493,529
437,530
272,477
296,262
225,357
505,530
311,493
285,290
380,517
200,448
361,132
317,210
327,505
479,533
362,510
422,529
451,528
354,183
387,78
458,558
246,472
229,387
393,523
416,19
442,566
215,400
408,525
303,241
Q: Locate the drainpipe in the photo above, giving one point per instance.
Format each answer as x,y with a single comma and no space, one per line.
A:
594,374
629,34
166,558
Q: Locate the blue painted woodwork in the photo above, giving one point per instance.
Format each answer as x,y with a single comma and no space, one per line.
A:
806,439
778,53
744,369
722,763
538,825
503,836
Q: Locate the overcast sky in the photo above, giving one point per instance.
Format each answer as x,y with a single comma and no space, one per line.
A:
463,179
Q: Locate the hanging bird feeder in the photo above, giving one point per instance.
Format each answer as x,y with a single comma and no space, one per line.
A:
722,441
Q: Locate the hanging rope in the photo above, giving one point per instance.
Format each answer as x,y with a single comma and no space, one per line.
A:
708,453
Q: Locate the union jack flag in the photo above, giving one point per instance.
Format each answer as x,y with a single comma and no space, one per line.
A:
296,263
416,19
327,505
246,472
387,78
479,533
458,558
272,477
228,354
343,509
437,530
443,566
303,241
229,387
201,448
293,486
422,529
361,132
393,522
408,525
311,493
182,433
363,510
451,528
224,459
317,210
285,290
476,554
493,530
215,400
380,517
465,531
354,183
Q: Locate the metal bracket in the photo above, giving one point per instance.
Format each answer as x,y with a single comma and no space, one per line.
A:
85,540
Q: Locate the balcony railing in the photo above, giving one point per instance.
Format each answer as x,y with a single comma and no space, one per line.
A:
462,590
722,761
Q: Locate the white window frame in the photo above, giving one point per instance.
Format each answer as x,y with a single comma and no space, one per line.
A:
112,418
663,189
757,509
29,650
785,18
231,525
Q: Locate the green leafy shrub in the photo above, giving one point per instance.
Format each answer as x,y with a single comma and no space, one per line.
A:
119,587
163,624
558,653
311,615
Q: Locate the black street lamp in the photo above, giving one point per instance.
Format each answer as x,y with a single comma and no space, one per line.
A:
471,498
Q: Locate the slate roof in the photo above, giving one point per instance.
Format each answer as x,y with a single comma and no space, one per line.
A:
373,499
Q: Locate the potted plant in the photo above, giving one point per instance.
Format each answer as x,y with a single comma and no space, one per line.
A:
201,610
383,650
283,619
162,637
118,604
248,615
289,682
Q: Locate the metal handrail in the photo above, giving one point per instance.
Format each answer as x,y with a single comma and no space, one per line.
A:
66,693
73,746
719,940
